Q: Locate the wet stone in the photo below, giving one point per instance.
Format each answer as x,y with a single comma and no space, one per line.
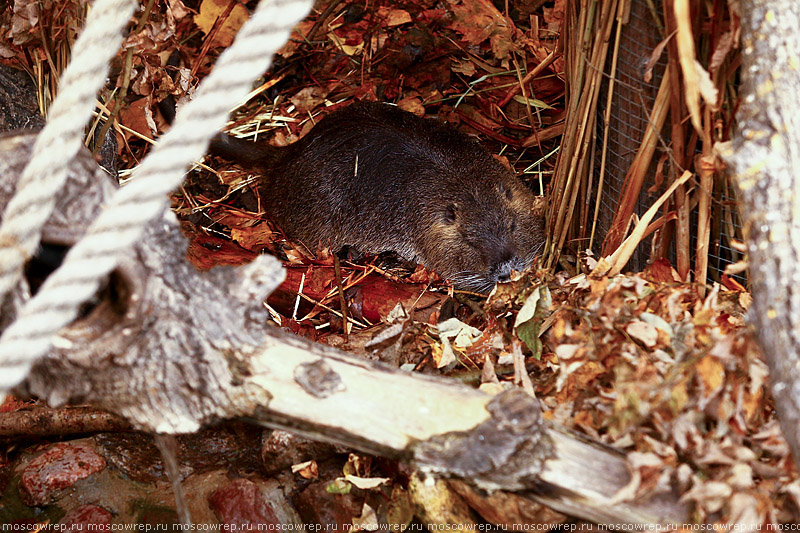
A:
61,466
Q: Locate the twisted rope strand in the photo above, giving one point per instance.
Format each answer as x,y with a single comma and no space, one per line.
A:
60,139
124,220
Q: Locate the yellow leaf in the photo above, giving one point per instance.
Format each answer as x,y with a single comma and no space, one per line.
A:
210,10
711,374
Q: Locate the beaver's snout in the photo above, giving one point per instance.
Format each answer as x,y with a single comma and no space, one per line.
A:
501,266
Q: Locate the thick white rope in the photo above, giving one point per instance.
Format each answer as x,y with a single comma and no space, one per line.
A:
60,139
144,198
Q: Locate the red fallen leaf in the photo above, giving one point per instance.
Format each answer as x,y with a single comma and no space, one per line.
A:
430,16
366,91
661,271
423,275
477,21
380,295
299,36
319,280
11,404
731,283
482,347
206,252
138,117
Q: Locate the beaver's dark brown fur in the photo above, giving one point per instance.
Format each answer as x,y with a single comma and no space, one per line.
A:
379,178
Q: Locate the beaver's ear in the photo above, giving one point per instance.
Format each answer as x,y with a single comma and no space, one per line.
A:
450,213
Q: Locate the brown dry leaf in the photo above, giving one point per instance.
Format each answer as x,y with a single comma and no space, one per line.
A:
710,495
725,44
400,510
368,521
480,20
299,35
465,67
705,85
25,18
6,52
143,84
308,98
482,348
646,468
319,280
661,270
654,56
206,252
393,17
210,10
294,256
503,44
351,49
423,275
679,395
177,9
643,332
579,377
254,238
308,469
138,117
412,105
479,117
235,219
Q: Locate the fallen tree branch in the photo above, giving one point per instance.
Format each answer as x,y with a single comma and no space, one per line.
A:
42,422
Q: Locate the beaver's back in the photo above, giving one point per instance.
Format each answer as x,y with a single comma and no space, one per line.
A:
379,178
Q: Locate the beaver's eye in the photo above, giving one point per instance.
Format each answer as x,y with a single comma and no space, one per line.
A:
513,226
505,189
450,213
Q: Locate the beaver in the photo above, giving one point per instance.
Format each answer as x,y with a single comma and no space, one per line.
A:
377,178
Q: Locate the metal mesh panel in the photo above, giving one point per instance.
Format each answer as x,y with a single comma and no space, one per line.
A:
631,105
725,226
630,109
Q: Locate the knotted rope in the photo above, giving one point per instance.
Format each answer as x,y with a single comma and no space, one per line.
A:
144,198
